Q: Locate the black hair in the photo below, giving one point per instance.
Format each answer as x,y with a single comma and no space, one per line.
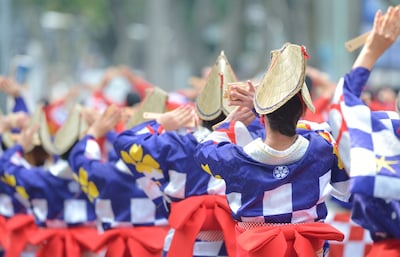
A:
39,155
286,117
132,98
210,123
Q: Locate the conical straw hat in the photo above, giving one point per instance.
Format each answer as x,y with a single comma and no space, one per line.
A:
70,131
41,137
37,118
154,101
284,78
210,103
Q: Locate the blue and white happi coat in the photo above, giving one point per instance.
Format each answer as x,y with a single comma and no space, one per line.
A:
369,144
168,159
10,202
292,193
120,199
55,198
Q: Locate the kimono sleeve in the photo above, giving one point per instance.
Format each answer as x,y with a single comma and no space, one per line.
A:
217,159
144,150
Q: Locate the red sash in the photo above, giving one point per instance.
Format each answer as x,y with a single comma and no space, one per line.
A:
19,227
135,241
64,242
3,233
291,240
385,248
207,212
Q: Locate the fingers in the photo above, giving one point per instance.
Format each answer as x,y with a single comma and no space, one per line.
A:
186,116
112,115
396,19
251,86
243,114
27,137
388,24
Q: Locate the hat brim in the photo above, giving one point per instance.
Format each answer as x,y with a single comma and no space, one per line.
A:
284,78
70,131
305,94
45,136
210,102
154,101
8,139
37,119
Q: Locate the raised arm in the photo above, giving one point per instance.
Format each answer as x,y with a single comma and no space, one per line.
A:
384,33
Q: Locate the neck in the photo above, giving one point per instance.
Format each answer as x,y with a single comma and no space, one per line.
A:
278,141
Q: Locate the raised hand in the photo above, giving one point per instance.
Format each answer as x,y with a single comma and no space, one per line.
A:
384,33
241,94
105,122
182,117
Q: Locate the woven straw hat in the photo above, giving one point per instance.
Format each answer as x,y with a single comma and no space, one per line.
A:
284,78
71,131
41,137
210,103
154,101
9,138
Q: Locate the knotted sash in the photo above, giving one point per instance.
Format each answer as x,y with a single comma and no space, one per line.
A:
200,213
64,242
133,241
289,240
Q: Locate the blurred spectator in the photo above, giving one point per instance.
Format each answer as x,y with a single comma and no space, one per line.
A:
321,89
384,100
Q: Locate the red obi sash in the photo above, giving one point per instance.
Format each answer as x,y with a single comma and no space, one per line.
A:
385,248
19,227
64,242
289,240
200,213
3,233
134,241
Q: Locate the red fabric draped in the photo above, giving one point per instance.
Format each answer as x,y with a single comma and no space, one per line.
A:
385,248
64,242
3,233
19,227
135,241
296,240
189,216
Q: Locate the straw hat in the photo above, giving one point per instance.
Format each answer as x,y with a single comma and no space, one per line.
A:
210,103
284,78
70,131
9,138
38,117
154,101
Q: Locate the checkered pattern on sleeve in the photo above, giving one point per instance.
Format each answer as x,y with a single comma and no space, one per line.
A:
368,142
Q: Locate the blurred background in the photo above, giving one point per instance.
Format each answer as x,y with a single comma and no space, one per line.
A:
52,45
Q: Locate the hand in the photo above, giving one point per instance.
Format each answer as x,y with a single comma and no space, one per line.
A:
18,120
242,95
90,115
385,32
105,122
29,137
10,87
322,86
242,114
182,117
5,123
318,77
